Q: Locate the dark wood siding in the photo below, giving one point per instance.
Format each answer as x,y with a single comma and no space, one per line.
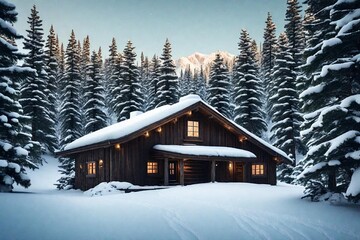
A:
129,163
196,172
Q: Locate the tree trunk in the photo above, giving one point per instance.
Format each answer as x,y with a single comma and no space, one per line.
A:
332,179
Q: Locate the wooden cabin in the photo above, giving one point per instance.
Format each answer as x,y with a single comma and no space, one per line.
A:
184,143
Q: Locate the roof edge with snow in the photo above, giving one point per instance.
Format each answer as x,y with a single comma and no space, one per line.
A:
131,128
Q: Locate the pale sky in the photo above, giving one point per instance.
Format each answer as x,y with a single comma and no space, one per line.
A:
204,26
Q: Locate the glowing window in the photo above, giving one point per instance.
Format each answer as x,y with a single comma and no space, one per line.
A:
172,168
152,167
91,168
193,129
257,169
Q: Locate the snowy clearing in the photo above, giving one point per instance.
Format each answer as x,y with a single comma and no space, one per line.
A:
202,211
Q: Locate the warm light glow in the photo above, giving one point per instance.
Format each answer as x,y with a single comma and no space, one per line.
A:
230,165
101,163
257,169
175,120
147,134
227,127
172,168
159,129
152,167
189,113
242,138
117,146
91,168
193,129
81,166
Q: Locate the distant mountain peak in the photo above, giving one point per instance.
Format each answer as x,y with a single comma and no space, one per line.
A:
197,59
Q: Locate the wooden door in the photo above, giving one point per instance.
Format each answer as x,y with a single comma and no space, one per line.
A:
239,172
173,172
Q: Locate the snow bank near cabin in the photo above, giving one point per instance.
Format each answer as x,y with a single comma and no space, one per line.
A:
108,188
354,186
105,188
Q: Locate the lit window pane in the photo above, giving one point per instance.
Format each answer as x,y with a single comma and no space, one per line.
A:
193,129
257,169
152,167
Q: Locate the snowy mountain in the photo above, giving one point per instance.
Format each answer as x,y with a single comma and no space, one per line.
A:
196,60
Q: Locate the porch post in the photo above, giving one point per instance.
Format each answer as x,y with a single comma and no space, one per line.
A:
110,164
213,171
166,172
182,172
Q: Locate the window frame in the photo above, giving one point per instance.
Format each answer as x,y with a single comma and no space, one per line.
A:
91,171
263,174
186,130
153,166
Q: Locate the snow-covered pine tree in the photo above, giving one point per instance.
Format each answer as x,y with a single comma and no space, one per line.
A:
129,98
285,108
186,82
61,63
155,73
295,34
200,84
111,76
332,106
247,90
15,145
70,115
51,61
145,83
268,57
316,29
94,97
34,89
168,81
294,30
85,62
219,85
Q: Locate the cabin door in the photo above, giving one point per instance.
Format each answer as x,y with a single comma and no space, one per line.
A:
172,172
239,172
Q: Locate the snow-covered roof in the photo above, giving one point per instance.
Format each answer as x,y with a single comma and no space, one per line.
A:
126,127
139,122
213,151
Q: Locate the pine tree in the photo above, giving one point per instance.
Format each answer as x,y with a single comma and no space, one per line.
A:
70,115
34,90
145,83
316,29
185,82
294,30
285,108
51,61
155,73
331,103
130,98
111,77
168,81
268,56
248,110
16,145
200,84
94,97
219,85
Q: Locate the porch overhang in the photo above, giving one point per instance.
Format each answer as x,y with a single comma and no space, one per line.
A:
202,153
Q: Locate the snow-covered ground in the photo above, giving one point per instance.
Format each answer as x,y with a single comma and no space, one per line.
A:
203,211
